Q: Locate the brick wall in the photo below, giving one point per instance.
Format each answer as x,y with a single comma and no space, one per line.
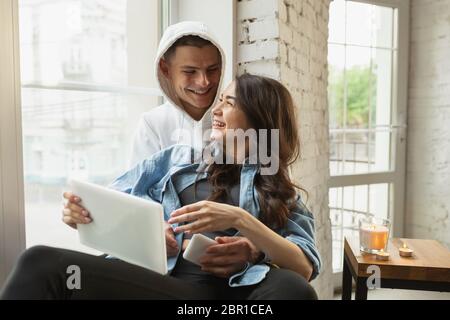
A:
287,40
428,148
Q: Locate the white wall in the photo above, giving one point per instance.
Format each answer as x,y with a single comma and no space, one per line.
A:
220,19
141,50
428,148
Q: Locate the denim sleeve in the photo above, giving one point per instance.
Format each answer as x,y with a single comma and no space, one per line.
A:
300,230
138,180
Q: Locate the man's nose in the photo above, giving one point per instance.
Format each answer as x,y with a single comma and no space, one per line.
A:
203,80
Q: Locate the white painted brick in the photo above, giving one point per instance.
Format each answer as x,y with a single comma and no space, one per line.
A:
263,29
308,12
256,9
316,69
433,32
292,58
242,29
306,27
286,33
283,51
258,51
293,17
283,13
302,63
268,68
297,5
303,45
428,143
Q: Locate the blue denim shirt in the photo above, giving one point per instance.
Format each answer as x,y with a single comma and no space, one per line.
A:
152,179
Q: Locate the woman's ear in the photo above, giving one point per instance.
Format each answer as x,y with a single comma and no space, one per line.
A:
164,67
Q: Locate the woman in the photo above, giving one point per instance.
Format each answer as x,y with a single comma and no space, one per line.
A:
265,234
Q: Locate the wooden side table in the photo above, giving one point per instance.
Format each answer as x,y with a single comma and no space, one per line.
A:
428,268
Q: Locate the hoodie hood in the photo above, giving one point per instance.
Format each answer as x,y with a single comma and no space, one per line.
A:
172,34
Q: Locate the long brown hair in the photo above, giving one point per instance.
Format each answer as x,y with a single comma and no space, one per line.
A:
267,105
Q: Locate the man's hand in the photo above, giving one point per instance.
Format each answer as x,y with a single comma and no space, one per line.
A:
171,242
229,256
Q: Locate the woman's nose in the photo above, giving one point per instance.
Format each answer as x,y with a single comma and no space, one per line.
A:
217,108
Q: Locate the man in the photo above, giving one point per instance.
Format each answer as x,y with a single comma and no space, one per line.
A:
189,68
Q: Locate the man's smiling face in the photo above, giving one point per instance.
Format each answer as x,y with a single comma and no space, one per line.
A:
195,76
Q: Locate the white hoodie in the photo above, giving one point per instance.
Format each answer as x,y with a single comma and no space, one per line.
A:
168,123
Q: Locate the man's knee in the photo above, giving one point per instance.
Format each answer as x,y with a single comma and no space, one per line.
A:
36,258
32,272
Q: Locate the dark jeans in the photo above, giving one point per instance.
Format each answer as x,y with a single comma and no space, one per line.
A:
41,273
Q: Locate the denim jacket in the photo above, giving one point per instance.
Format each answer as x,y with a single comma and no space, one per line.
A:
152,179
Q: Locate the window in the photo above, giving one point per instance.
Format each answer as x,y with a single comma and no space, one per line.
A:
366,115
86,77
80,61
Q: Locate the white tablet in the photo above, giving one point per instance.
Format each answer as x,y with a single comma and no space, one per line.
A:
124,226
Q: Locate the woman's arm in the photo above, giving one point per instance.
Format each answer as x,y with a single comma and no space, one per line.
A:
279,250
208,216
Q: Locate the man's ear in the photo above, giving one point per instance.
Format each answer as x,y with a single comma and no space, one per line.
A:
164,67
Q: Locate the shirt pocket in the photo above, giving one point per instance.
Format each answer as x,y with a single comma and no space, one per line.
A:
156,192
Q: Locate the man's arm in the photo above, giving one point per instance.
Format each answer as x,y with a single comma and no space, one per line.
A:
146,142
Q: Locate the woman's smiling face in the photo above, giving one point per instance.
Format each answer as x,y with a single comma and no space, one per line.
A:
227,115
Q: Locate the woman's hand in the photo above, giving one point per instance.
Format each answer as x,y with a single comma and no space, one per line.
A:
73,212
229,256
171,242
204,216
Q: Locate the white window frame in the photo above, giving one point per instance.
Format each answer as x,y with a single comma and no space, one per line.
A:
396,177
12,218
